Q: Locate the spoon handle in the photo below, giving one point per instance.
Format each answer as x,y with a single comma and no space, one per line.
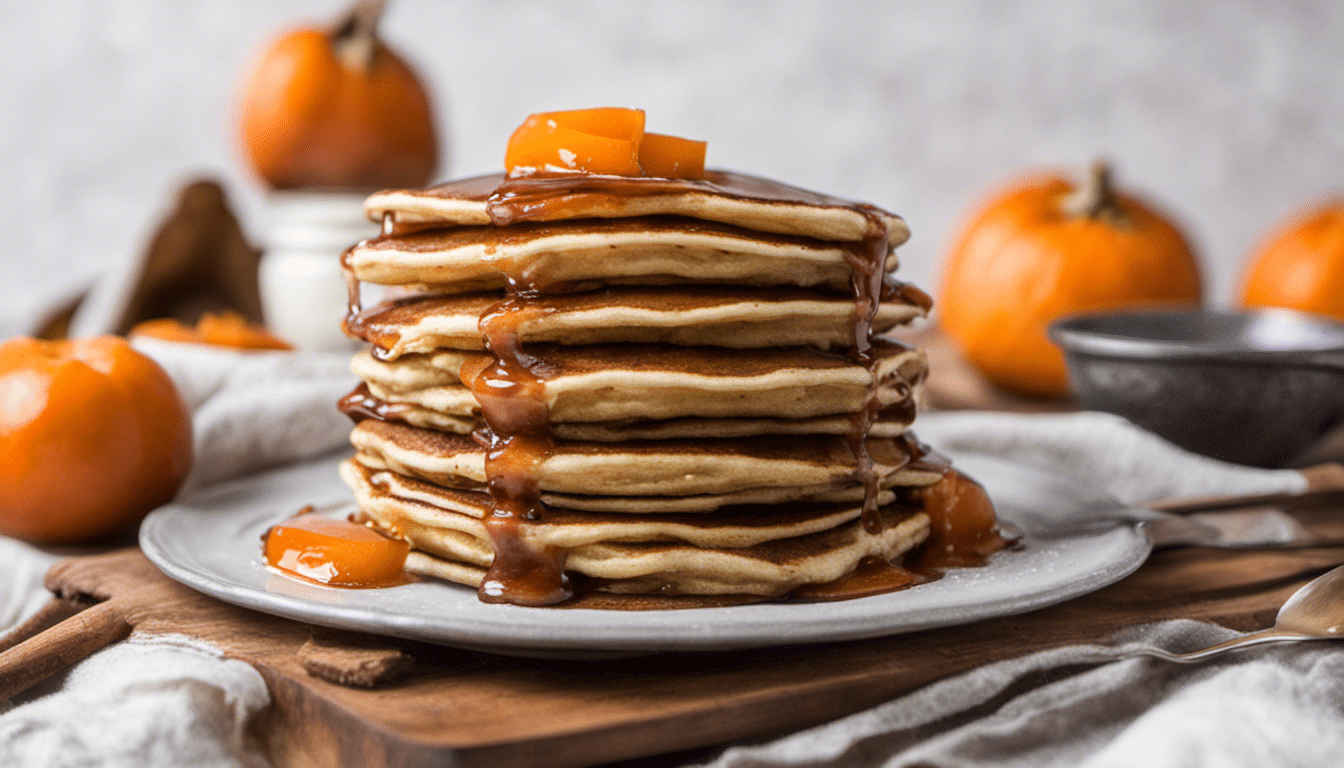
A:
1255,638
1322,480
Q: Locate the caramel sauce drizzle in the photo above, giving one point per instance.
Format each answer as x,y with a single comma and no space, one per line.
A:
361,404
547,196
353,324
867,261
518,439
516,435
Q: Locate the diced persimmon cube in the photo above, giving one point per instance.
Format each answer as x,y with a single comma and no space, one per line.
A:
672,157
336,552
611,122
604,140
556,149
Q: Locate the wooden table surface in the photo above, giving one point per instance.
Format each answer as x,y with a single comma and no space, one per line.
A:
475,709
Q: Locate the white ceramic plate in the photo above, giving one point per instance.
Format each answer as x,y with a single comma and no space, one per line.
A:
212,542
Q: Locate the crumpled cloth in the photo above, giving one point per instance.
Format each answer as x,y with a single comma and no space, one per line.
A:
162,700
253,410
171,701
1094,706
1103,450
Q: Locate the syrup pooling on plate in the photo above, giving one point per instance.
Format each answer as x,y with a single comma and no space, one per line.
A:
335,552
873,576
962,530
867,261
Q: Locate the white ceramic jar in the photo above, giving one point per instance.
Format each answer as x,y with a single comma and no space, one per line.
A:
303,292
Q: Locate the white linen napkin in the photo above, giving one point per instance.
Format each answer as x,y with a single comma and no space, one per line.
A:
172,701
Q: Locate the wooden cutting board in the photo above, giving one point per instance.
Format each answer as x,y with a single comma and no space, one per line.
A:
470,709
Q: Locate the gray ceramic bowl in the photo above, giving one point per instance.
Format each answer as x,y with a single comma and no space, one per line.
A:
1247,387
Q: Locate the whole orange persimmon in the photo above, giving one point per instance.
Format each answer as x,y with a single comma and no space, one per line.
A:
93,435
336,108
1047,248
1301,266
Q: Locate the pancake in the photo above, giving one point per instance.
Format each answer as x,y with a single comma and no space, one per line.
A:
571,368
733,526
845,491
679,315
635,468
453,544
363,404
738,199
637,251
643,383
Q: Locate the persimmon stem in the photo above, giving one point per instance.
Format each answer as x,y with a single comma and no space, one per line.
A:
356,33
1095,198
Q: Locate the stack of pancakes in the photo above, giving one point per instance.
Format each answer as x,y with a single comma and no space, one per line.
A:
636,385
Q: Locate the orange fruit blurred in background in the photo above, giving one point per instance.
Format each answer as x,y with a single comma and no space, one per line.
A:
336,108
93,435
1047,248
1301,266
226,329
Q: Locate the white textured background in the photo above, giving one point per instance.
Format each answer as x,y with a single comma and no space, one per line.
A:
1231,113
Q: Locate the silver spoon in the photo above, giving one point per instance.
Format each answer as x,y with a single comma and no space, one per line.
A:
1314,612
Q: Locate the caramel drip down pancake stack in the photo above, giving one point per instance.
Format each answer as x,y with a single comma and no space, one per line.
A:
636,385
